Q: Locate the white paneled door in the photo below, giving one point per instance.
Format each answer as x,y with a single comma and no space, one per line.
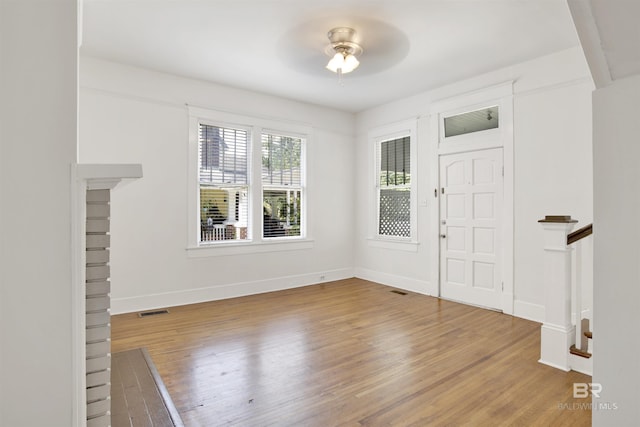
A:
471,227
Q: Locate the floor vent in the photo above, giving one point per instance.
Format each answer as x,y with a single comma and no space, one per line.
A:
398,292
152,313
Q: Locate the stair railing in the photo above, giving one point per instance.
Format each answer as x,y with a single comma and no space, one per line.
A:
558,332
576,238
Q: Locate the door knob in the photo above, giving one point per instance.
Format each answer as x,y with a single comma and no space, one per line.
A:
444,236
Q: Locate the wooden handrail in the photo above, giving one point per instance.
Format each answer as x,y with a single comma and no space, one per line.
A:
581,233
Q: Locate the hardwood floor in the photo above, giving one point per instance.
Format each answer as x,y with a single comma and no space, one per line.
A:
352,353
138,395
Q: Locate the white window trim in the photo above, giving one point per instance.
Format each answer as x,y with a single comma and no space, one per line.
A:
376,136
241,248
404,245
256,243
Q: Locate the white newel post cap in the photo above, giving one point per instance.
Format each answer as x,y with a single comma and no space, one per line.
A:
556,228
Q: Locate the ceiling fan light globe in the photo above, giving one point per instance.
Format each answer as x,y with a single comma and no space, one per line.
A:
350,63
336,62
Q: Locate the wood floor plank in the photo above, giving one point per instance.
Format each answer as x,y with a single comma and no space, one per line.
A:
138,397
136,407
351,353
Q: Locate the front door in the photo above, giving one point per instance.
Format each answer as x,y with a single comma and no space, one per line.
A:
471,227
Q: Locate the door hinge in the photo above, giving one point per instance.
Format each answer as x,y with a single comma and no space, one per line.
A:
502,286
442,191
503,171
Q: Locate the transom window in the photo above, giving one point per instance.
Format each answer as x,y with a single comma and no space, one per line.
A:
472,121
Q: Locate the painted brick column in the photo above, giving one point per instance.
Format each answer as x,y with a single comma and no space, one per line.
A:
91,299
98,329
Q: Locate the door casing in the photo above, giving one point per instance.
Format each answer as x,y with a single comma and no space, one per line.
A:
500,95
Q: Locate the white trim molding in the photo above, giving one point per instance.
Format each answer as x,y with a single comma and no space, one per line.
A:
241,248
226,291
529,311
106,176
394,280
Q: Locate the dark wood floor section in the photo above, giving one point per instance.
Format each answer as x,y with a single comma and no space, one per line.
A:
352,353
138,395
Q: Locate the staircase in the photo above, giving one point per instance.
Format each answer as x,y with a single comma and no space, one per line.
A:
578,350
566,334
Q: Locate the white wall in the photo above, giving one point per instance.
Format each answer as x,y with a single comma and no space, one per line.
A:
130,115
38,136
553,175
138,116
616,252
553,169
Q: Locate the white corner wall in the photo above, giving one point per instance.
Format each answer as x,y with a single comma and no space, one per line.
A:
38,136
131,115
616,363
553,170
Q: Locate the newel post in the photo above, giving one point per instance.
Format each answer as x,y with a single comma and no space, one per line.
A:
557,332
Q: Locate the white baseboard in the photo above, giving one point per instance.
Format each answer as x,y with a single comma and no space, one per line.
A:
529,311
581,364
536,312
193,296
406,283
522,309
553,365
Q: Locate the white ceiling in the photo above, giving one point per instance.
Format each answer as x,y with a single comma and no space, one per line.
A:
276,47
619,31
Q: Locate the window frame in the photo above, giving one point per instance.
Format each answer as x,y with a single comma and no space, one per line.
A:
495,109
473,140
301,187
377,137
226,186
255,242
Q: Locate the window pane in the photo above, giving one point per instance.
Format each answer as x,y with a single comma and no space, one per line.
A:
395,208
281,213
395,166
223,155
223,213
281,160
474,121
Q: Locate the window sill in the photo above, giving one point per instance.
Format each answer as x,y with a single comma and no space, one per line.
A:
404,245
240,248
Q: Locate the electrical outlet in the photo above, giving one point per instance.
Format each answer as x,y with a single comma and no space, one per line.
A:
322,277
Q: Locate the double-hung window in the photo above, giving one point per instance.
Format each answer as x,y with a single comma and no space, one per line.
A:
394,221
250,194
281,185
224,182
394,187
